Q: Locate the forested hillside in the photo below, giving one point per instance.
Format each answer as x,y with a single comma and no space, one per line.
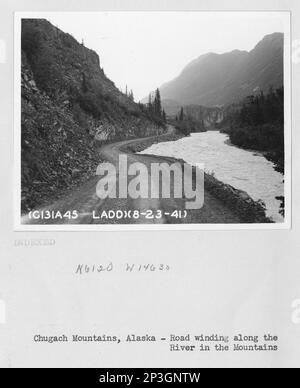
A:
258,123
68,105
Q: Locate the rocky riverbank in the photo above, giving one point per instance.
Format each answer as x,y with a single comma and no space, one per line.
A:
238,201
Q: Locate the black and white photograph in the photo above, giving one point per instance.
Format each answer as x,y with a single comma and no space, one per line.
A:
153,118
150,171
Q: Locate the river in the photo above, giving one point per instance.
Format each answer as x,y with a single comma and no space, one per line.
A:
245,170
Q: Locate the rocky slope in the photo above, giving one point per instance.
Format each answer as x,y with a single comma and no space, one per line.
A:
220,79
207,117
68,106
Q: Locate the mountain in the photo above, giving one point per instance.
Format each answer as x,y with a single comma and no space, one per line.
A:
171,107
220,79
68,106
208,116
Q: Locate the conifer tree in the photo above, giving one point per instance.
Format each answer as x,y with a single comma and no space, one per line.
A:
131,95
157,103
150,108
181,114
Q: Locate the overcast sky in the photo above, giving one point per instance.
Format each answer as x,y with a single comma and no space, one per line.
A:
146,49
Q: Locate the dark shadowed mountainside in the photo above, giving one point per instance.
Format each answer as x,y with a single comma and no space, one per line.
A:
220,79
68,104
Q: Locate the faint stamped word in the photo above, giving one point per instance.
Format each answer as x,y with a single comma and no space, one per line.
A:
296,311
34,243
160,180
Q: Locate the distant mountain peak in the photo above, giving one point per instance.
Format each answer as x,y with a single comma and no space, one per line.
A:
215,79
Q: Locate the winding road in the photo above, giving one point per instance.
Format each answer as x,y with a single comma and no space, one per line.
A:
89,206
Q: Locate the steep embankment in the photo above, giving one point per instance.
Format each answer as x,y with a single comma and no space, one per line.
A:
67,105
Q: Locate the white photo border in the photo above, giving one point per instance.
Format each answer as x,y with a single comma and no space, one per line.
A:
19,227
